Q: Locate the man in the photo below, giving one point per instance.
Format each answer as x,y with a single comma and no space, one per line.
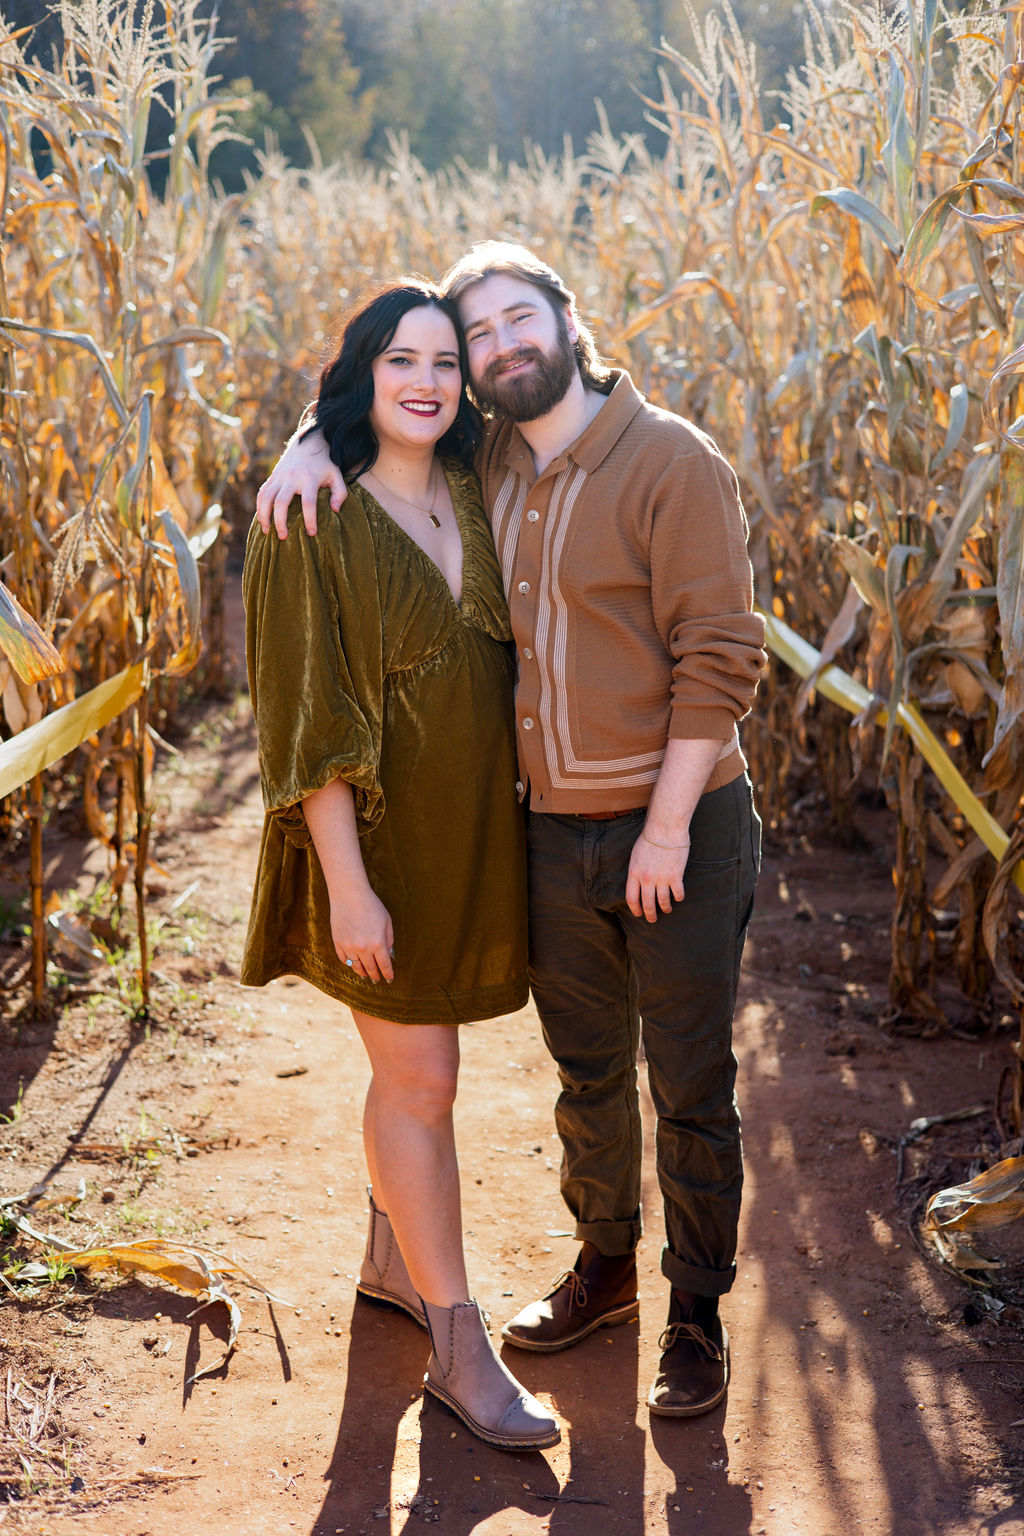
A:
623,548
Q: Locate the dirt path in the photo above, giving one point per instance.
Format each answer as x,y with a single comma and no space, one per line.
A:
860,1400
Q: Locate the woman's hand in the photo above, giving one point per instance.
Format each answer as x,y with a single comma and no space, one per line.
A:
363,933
304,466
361,925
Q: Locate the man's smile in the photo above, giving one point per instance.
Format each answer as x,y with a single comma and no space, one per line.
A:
511,367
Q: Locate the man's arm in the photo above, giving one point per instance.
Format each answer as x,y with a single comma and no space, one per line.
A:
658,861
702,597
304,466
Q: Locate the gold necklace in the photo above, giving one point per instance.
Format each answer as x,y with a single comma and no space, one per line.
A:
424,511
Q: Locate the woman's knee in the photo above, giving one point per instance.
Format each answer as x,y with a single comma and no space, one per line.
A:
425,1095
415,1068
422,1083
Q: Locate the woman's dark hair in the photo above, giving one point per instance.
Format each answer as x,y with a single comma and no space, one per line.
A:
342,410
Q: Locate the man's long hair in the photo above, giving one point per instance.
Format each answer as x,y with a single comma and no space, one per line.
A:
490,257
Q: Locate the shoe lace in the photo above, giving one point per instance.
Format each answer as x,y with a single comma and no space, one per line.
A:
577,1287
694,1334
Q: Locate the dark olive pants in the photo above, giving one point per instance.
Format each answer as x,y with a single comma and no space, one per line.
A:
599,976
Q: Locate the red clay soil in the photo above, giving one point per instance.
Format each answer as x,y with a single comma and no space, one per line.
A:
872,1391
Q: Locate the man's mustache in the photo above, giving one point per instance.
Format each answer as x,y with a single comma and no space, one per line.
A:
501,365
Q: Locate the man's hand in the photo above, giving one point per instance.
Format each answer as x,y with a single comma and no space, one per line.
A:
301,470
363,933
655,878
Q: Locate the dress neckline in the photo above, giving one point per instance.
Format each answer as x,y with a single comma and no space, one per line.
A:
460,527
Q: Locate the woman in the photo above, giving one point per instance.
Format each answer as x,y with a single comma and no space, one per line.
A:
391,871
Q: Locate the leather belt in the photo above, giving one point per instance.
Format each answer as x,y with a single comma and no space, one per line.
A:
608,815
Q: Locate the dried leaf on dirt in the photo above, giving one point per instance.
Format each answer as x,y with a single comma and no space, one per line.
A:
196,1270
993,1199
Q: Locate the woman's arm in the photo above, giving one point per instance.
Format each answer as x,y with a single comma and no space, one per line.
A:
361,926
304,466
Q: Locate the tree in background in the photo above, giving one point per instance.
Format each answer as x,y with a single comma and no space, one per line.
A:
291,60
455,79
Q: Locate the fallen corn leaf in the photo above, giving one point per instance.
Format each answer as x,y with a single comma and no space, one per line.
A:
196,1270
993,1199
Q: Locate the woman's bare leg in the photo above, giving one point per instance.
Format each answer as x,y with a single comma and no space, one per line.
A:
410,1149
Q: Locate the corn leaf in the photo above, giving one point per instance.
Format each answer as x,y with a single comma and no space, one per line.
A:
203,537
993,1199
959,405
188,583
1010,367
898,155
41,745
858,297
859,207
691,285
925,235
986,224
862,569
192,1268
1010,598
851,695
31,654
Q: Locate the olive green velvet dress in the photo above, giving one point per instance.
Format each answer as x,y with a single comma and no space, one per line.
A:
362,666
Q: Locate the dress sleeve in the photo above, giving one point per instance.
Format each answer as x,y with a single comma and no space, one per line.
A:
314,656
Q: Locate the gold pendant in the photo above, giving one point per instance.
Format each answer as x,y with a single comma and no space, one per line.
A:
435,520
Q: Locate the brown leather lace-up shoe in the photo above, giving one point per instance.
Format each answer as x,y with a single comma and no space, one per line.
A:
599,1292
694,1372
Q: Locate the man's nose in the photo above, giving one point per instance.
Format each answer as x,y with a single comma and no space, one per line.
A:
506,340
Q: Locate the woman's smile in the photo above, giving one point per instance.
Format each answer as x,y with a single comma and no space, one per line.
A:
422,407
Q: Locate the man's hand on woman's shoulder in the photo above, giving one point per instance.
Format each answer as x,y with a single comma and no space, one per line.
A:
303,468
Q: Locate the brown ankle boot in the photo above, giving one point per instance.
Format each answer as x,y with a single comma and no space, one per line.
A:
383,1275
466,1374
598,1292
693,1376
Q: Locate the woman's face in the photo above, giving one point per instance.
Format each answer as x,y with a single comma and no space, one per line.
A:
417,381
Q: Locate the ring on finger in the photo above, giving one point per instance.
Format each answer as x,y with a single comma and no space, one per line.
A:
350,961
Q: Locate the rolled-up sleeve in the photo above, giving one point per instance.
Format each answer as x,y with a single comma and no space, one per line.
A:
702,594
314,656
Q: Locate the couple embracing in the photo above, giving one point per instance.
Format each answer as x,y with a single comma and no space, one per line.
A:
497,680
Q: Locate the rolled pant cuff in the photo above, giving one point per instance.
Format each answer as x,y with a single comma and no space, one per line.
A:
692,1277
612,1238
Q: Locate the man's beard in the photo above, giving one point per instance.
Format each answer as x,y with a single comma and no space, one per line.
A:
525,397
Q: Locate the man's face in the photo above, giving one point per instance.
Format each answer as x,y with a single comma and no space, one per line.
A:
521,358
